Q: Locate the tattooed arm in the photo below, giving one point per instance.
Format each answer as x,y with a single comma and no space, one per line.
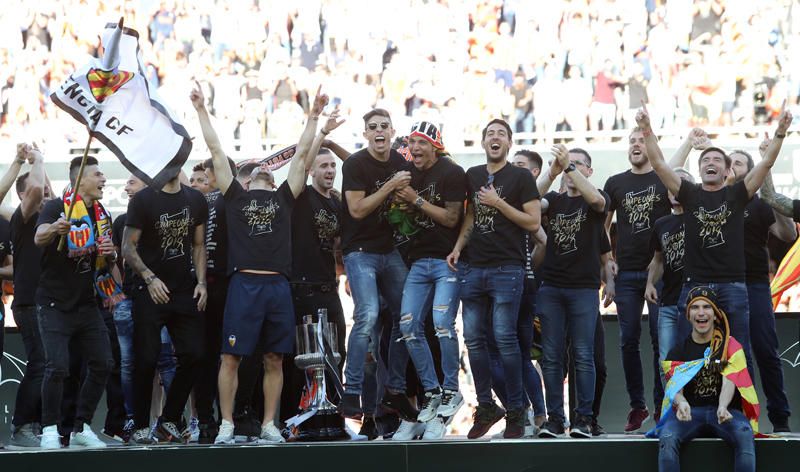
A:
780,203
157,289
199,256
463,237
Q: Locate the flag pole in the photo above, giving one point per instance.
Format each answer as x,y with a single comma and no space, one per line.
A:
63,240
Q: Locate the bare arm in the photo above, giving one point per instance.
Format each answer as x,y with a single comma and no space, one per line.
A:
340,152
463,237
756,177
303,159
130,239
34,186
668,176
540,247
222,170
527,219
696,139
199,254
593,197
360,205
546,179
331,124
11,174
655,270
7,271
780,203
784,228
447,216
46,233
726,393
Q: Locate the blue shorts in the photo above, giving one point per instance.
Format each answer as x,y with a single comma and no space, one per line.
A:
259,316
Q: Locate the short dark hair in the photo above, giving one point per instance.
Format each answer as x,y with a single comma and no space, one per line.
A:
750,162
585,154
533,157
714,148
246,169
376,112
75,166
21,182
209,164
198,168
494,122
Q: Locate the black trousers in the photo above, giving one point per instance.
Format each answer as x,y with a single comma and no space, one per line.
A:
28,406
205,390
308,299
186,327
85,327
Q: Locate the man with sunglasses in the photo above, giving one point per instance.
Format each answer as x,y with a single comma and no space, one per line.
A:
567,302
374,268
503,204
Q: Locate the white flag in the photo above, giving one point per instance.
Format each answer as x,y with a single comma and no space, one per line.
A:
113,98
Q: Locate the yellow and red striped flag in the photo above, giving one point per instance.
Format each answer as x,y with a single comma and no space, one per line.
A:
787,275
736,372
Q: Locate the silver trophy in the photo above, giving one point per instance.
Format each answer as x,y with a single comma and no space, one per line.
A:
317,352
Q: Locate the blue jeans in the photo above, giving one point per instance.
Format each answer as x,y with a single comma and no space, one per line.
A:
667,330
765,349
630,301
123,321
490,298
732,297
372,276
430,284
531,381
563,312
736,432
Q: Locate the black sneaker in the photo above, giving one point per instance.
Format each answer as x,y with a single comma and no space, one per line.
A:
400,404
246,427
581,428
515,424
350,406
167,431
369,428
552,429
781,426
208,432
597,430
484,417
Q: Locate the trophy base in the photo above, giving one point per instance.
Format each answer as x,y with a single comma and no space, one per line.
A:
326,425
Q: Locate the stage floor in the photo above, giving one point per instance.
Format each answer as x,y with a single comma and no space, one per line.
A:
633,453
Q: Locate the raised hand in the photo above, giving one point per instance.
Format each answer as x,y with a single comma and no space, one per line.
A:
320,102
762,147
700,139
784,120
561,154
196,96
643,117
333,121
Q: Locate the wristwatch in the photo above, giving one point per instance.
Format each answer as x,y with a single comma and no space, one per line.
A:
569,168
419,202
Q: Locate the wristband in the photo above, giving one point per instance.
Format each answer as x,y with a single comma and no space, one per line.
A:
779,135
324,133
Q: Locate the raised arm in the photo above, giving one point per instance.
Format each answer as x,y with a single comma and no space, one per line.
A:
340,152
756,177
590,194
331,124
668,176
11,174
222,170
547,178
34,184
780,203
303,159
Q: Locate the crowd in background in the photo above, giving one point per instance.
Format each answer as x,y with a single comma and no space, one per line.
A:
544,66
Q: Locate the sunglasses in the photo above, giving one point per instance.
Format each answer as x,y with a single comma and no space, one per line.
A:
374,126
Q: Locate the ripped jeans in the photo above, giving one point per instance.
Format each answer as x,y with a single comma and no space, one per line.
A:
430,286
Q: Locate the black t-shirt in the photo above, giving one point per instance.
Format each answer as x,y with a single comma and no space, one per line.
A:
639,200
168,222
216,234
758,217
5,248
444,182
705,387
117,232
64,282
667,238
796,210
259,228
363,173
496,240
27,259
714,223
572,257
316,223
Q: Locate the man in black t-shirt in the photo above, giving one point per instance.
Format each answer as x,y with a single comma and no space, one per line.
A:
66,303
502,204
567,301
714,222
759,222
435,201
639,199
709,402
667,244
374,267
164,242
32,192
258,311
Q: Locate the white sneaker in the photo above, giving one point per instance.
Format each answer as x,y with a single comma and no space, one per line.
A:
50,438
270,434
452,401
408,430
85,438
430,405
530,428
435,429
194,429
225,433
